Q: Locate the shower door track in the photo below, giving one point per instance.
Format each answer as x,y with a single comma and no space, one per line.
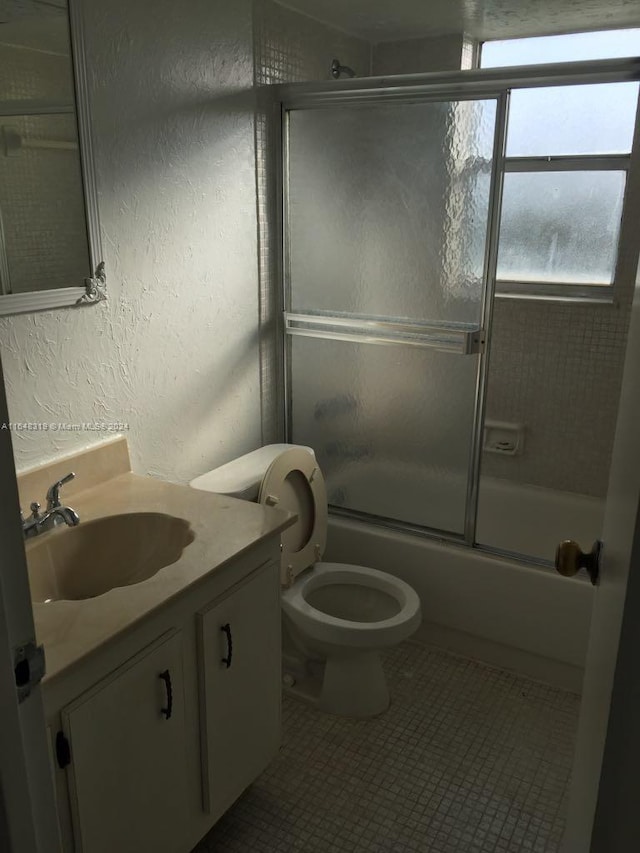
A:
444,536
476,83
494,83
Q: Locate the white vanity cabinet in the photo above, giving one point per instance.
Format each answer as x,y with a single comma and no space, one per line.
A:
126,735
155,735
240,654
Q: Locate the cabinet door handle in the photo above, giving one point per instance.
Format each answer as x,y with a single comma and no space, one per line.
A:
226,630
166,677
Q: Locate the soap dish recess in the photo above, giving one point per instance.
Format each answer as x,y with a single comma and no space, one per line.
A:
504,438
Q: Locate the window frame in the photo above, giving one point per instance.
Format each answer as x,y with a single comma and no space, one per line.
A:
568,291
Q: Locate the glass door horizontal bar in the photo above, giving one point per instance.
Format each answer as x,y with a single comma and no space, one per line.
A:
461,339
562,163
583,291
35,108
396,524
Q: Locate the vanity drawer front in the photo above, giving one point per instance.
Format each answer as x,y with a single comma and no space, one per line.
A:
240,686
127,776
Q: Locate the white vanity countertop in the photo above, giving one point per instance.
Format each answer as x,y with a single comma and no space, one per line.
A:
224,529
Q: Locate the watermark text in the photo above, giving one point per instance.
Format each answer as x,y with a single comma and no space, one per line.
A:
57,426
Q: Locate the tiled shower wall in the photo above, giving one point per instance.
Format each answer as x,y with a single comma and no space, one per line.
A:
556,368
293,48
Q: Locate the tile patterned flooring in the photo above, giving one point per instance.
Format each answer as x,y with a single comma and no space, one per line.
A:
468,759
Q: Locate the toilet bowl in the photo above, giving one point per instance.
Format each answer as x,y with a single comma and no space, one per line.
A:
340,614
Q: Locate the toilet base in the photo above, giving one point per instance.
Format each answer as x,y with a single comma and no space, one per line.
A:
354,686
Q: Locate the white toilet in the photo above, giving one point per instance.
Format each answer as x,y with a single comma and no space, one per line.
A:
340,614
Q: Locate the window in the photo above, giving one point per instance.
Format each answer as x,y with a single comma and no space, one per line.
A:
567,158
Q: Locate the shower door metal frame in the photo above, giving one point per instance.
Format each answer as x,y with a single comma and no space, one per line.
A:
481,84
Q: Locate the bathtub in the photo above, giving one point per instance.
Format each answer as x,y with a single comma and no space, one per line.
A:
531,520
495,609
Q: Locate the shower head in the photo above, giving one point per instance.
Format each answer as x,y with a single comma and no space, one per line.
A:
338,70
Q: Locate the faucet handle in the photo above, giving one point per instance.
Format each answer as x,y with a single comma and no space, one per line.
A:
35,509
53,493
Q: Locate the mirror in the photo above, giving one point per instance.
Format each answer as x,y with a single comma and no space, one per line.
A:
50,254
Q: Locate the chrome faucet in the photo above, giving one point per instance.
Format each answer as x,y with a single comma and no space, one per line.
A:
54,514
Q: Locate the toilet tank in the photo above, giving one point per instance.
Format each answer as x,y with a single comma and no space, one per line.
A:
241,478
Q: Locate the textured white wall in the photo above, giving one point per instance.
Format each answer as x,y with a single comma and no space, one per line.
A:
483,19
174,351
411,56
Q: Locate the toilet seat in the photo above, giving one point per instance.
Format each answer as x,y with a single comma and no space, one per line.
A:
294,482
324,627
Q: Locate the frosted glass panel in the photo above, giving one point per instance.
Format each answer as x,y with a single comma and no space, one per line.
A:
572,120
388,209
560,226
391,426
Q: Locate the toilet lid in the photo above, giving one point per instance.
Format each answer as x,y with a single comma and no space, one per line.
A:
294,482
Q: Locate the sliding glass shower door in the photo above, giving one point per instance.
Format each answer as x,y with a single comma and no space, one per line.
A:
387,210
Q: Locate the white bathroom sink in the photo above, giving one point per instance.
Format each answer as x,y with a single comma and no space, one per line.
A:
96,556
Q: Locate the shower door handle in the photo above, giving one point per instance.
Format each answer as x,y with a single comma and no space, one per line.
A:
457,338
570,558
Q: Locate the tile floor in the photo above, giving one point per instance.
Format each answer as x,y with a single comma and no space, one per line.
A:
468,759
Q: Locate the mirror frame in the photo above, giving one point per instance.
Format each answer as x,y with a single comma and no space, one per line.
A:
94,288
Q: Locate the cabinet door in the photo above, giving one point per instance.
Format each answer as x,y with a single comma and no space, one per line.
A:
240,656
128,772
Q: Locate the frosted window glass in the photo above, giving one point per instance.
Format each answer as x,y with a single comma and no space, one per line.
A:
391,427
595,119
571,47
560,226
388,209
